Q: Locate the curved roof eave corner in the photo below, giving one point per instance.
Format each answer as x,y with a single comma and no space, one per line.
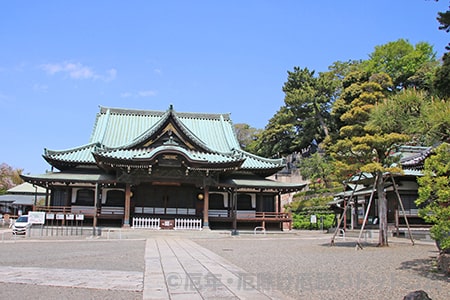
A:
93,145
279,162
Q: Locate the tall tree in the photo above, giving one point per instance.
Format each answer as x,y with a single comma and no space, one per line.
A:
402,113
435,122
425,119
310,98
305,117
434,195
245,134
401,61
441,82
276,138
364,147
317,168
444,19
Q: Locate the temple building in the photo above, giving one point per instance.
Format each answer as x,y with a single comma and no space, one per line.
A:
164,165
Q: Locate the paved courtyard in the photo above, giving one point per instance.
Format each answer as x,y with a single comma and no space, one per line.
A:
201,265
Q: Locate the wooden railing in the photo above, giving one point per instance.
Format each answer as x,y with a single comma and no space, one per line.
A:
54,209
250,215
90,211
274,215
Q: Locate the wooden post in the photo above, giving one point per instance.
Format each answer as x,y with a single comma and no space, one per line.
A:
277,203
47,197
94,221
403,210
397,223
346,204
234,206
358,244
206,208
126,215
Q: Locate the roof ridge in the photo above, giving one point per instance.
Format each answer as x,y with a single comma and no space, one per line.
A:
279,161
136,111
48,152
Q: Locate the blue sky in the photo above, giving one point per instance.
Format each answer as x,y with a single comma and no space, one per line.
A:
60,60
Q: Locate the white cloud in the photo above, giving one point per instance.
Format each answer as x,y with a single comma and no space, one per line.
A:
40,87
126,95
139,94
111,75
78,71
148,93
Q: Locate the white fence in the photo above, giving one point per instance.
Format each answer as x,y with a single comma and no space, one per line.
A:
164,211
147,223
188,224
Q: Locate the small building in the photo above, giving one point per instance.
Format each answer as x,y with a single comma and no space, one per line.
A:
167,165
359,189
21,199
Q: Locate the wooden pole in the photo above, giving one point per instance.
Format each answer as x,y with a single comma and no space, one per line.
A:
94,221
206,207
403,209
345,211
126,214
358,244
234,205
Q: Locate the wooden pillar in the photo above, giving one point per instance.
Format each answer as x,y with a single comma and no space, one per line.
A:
397,222
345,214
234,205
206,208
277,200
278,203
94,221
126,215
47,197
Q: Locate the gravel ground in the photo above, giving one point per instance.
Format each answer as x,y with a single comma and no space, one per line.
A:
306,267
301,266
114,255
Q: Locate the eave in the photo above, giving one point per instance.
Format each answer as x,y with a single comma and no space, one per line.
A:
142,158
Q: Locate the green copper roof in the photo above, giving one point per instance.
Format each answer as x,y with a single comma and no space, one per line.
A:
261,183
149,153
120,127
68,177
81,154
130,134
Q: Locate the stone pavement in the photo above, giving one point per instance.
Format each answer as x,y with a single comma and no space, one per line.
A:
175,268
181,269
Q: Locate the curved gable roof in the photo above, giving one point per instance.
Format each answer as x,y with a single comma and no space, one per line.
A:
123,133
116,128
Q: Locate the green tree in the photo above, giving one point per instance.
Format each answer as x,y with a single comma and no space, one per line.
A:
245,134
425,119
304,118
444,19
310,98
435,122
363,146
401,113
317,168
434,195
441,81
276,138
401,61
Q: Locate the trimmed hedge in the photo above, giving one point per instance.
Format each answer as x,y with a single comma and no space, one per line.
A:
303,221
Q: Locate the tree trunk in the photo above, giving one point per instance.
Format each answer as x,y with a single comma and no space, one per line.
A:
321,120
382,212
